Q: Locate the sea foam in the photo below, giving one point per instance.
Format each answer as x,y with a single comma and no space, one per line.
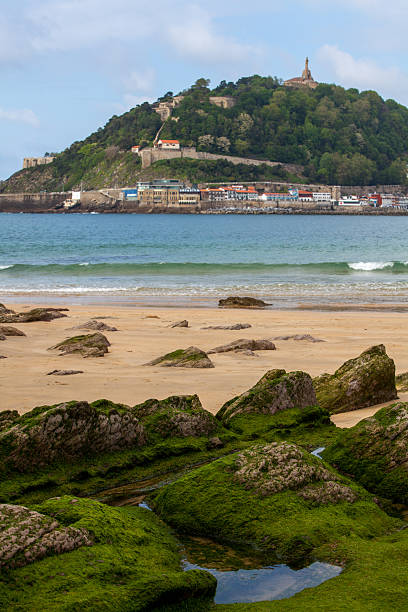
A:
369,266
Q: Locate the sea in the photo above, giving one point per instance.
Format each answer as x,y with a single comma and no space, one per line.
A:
288,260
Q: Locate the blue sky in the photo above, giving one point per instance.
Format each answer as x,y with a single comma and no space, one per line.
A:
67,66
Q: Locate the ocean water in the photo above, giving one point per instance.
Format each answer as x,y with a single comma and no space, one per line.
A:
286,260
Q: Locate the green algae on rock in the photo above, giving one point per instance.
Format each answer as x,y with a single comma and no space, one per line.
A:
191,357
89,345
133,564
364,381
375,452
277,497
36,314
277,390
77,445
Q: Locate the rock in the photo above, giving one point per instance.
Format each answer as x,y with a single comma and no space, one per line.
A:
307,337
245,344
236,326
277,498
27,536
242,302
67,432
215,443
64,372
10,331
177,416
92,345
183,323
275,391
72,431
133,562
96,325
3,357
191,357
37,314
2,337
375,452
246,352
7,418
401,382
364,381
5,310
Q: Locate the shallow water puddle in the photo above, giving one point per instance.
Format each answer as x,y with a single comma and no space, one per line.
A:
267,583
243,577
317,452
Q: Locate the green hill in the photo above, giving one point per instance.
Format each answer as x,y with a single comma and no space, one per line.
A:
340,137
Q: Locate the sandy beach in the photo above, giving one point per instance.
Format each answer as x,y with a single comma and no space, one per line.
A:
145,333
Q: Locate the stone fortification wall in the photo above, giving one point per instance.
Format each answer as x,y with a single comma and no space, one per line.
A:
150,156
360,191
31,202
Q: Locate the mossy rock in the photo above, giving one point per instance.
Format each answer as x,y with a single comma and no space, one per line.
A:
241,302
132,565
89,345
278,498
276,391
34,315
191,357
364,381
375,452
401,382
77,447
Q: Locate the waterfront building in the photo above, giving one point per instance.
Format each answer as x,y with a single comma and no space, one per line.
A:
322,196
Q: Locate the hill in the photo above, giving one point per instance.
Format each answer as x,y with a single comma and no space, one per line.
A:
339,136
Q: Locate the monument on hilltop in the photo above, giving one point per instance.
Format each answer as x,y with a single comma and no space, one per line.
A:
306,80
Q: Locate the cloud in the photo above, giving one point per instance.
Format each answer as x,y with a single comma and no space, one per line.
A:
24,115
364,73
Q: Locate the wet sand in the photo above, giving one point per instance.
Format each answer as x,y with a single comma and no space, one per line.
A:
144,334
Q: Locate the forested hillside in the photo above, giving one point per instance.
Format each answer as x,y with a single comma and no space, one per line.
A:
339,136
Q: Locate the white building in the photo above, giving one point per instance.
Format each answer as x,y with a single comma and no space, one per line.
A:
351,201
168,144
322,196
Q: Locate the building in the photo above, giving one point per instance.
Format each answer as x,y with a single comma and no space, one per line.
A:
130,194
223,101
164,109
278,197
305,196
306,80
170,145
32,162
322,196
351,201
135,149
189,197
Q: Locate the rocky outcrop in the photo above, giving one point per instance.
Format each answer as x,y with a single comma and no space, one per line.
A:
37,314
401,382
235,326
176,416
364,381
306,337
275,497
132,564
67,432
375,452
241,302
10,331
183,323
244,344
277,390
70,431
93,324
92,345
27,536
191,357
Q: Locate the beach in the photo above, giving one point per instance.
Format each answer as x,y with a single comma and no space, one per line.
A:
144,333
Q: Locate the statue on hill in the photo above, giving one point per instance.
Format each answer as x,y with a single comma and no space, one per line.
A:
306,80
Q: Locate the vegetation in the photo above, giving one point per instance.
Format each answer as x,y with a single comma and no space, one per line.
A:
278,498
132,565
340,137
375,452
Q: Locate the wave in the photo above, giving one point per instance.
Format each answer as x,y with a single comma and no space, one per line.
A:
113,269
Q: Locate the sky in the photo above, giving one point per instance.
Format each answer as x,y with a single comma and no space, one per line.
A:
67,66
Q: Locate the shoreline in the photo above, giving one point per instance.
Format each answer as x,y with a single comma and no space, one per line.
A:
145,333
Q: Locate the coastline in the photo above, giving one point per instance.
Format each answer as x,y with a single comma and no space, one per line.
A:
145,333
